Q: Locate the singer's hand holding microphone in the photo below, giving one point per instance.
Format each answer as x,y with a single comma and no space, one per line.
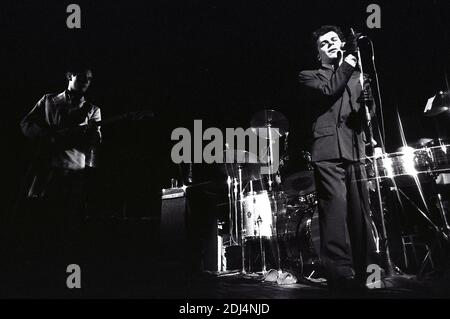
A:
350,48
351,44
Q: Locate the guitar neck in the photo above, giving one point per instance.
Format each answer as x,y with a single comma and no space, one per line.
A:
111,120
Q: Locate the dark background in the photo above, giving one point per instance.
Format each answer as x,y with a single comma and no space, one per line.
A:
220,61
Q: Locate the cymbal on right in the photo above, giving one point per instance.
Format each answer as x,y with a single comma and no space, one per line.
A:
440,104
421,142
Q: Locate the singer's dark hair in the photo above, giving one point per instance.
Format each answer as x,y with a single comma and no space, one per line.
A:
77,69
324,30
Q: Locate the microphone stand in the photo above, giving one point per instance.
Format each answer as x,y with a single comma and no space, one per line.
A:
368,122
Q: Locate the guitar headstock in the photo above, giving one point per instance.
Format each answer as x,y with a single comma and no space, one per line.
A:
140,115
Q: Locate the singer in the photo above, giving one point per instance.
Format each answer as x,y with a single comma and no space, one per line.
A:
335,95
55,125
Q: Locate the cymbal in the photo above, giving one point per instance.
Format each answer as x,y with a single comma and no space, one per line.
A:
422,142
248,163
239,157
299,183
438,142
441,104
269,119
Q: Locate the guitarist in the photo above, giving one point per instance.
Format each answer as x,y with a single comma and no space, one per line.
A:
58,123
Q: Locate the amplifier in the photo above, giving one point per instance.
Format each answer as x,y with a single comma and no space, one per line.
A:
173,230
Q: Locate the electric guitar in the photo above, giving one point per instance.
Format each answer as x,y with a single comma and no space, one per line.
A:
39,171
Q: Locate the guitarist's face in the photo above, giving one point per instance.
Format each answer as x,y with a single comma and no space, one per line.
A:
80,82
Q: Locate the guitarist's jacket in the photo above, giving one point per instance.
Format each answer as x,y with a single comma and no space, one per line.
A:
60,124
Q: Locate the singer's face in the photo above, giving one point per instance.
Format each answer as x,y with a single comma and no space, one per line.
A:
80,82
329,46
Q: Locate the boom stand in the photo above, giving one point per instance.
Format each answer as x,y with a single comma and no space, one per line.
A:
368,121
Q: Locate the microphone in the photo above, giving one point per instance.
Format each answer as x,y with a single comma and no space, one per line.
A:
351,45
361,36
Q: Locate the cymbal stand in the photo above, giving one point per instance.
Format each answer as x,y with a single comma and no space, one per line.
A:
269,128
231,200
241,197
274,220
235,201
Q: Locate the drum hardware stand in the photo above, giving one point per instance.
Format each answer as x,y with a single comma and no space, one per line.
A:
232,199
442,212
269,128
443,231
270,182
368,123
377,236
438,232
307,157
261,246
235,192
274,230
286,146
242,221
440,205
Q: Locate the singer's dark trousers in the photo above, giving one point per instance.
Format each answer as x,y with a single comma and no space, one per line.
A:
347,241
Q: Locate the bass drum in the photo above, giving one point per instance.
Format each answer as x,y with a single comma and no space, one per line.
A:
260,211
299,239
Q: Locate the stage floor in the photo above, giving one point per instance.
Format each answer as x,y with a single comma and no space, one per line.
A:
121,261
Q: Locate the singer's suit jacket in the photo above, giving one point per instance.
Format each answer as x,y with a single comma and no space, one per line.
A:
337,119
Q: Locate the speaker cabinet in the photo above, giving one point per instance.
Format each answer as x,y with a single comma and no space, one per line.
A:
188,231
173,231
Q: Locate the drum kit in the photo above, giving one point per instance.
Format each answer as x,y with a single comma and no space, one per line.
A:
277,215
